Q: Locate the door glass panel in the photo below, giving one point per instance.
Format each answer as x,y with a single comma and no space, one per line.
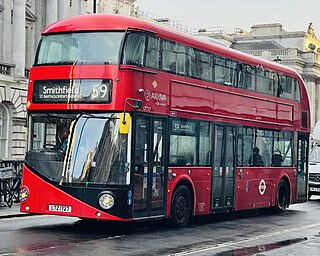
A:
224,167
217,168
229,165
141,165
218,150
158,168
302,167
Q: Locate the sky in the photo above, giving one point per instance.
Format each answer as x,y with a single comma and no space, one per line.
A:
294,15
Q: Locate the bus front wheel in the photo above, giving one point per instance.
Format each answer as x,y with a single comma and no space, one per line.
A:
283,196
181,207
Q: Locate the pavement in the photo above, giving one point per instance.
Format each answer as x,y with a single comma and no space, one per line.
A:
9,212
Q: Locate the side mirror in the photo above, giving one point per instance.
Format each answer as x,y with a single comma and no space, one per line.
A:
124,123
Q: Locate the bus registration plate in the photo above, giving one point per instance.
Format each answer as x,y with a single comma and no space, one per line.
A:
315,189
60,208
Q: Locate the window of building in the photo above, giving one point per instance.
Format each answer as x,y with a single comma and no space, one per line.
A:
3,131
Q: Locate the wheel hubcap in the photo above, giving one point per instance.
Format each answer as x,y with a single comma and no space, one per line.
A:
181,207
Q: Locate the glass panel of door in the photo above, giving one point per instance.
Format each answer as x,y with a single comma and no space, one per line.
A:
223,167
148,198
302,167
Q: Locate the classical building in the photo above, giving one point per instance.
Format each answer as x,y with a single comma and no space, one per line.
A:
298,49
21,23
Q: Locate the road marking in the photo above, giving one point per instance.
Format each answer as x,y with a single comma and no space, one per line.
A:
217,246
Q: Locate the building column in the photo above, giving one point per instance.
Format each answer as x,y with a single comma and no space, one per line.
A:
19,37
317,100
51,11
310,81
62,9
1,32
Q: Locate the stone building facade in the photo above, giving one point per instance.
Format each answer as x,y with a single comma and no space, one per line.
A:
299,50
21,23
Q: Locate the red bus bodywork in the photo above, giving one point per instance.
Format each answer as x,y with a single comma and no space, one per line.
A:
175,96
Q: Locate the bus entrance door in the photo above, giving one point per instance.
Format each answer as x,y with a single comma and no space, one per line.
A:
148,167
302,175
223,168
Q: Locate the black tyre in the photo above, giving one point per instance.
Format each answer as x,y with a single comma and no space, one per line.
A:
181,207
283,196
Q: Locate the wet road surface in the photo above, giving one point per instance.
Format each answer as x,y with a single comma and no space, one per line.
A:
295,232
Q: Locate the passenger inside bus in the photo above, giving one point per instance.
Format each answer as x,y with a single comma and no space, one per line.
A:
256,158
64,144
276,159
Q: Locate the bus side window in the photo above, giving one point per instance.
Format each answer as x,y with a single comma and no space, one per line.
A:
168,56
181,59
246,76
297,95
265,81
219,66
134,48
152,53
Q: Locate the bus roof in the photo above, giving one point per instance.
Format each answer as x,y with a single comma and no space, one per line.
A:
104,22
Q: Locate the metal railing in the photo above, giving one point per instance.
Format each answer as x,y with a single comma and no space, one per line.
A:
10,181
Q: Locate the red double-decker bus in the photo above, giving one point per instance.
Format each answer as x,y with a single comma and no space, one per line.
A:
129,120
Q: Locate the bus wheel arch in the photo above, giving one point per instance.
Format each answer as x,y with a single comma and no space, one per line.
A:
182,204
283,195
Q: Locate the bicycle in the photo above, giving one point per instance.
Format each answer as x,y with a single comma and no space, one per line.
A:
6,179
16,186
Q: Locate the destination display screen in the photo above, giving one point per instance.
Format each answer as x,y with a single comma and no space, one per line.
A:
180,126
73,91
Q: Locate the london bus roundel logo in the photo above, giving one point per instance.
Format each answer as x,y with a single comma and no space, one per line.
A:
262,187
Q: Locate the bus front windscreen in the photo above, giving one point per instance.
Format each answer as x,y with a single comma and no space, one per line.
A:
73,149
79,48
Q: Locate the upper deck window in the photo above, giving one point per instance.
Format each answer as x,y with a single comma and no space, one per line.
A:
79,48
134,49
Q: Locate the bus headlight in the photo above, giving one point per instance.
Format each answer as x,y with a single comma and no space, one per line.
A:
23,195
106,201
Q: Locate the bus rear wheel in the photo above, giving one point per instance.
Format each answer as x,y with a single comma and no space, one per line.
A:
283,196
181,207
